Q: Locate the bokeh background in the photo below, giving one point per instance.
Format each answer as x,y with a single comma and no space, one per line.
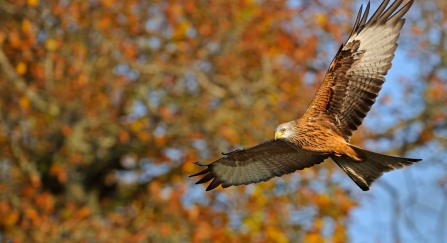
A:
105,104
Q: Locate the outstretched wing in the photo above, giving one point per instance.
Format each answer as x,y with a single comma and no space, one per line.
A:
358,71
258,163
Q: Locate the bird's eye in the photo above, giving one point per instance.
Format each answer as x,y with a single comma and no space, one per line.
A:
283,130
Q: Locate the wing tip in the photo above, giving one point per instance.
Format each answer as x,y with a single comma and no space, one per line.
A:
215,183
201,172
364,188
200,164
208,176
383,14
207,170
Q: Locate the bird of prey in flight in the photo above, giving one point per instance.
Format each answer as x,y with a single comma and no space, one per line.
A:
347,93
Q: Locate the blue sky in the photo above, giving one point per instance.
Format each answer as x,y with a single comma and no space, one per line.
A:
404,205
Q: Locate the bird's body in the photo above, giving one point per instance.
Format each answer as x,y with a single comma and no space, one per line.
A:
350,87
309,134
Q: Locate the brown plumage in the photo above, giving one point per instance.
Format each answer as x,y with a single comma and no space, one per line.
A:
347,93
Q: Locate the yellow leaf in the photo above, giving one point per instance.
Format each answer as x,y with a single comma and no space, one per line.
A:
319,223
26,25
276,235
136,126
339,235
323,201
21,68
32,3
24,103
181,30
313,237
259,196
321,19
254,222
51,44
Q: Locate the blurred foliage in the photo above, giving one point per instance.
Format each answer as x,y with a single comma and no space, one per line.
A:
105,104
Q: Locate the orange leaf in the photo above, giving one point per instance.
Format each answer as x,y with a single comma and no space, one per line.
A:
35,180
107,3
14,39
59,172
123,136
189,167
31,213
313,237
10,218
26,26
45,201
24,103
84,212
32,3
66,130
21,68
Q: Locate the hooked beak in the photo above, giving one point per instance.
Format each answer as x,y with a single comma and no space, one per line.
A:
278,135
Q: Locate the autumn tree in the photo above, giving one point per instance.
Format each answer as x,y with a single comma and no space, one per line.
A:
105,105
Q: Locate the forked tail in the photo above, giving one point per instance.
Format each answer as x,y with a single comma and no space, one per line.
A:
372,166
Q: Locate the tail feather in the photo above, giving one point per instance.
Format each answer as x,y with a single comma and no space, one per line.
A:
372,166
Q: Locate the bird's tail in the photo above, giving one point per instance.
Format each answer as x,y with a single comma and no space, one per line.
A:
372,166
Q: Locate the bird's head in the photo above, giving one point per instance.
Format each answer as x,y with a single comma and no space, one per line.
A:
285,130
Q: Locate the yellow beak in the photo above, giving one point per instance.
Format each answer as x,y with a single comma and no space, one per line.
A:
278,135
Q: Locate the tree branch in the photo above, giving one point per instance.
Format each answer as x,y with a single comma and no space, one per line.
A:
20,84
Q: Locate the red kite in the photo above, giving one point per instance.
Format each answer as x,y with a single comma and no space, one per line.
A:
349,89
